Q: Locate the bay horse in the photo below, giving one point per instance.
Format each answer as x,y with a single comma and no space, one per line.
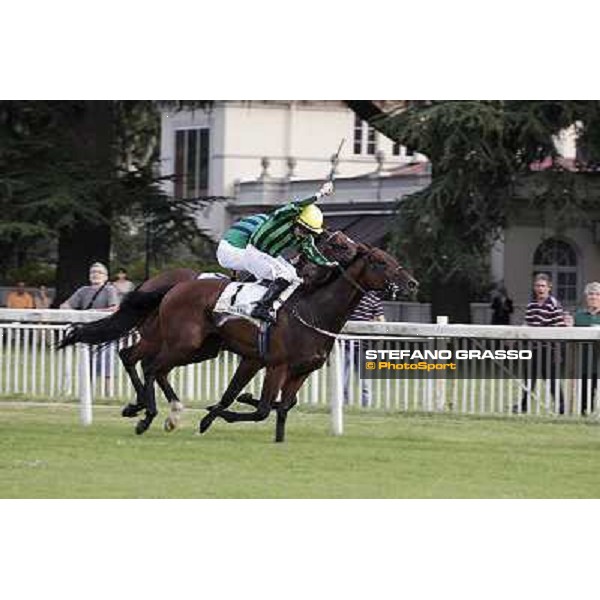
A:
139,310
300,340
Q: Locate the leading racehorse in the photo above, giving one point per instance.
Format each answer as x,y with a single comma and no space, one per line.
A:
300,340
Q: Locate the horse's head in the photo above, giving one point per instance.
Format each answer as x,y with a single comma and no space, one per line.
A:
383,272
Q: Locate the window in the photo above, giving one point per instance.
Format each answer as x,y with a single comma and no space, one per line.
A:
396,149
362,130
358,134
371,140
559,259
191,163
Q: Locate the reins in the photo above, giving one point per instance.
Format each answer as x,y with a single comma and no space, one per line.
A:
349,279
324,332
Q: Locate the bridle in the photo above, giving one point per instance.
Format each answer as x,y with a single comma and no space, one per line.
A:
351,280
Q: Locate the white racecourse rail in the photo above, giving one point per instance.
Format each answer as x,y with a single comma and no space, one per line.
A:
30,366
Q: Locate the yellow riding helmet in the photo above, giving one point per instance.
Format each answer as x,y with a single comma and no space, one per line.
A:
311,217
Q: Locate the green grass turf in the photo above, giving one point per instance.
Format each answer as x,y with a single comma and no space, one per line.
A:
46,453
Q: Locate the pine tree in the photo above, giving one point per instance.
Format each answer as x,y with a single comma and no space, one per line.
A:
481,155
70,170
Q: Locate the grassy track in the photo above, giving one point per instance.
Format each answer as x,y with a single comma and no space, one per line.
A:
45,453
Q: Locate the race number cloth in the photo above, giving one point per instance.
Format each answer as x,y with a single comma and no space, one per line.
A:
239,299
210,275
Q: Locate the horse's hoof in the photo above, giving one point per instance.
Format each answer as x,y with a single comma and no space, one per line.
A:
131,410
169,425
141,427
205,423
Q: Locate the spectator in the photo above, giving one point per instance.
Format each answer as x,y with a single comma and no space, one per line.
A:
502,306
41,298
100,294
368,309
544,310
19,298
589,317
122,284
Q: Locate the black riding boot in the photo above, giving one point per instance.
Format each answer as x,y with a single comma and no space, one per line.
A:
263,306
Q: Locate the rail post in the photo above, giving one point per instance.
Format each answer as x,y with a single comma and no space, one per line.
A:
337,389
85,385
440,383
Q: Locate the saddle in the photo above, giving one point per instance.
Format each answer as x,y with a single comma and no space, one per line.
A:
239,299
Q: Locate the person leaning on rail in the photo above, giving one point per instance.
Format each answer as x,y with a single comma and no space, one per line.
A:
589,317
99,295
544,310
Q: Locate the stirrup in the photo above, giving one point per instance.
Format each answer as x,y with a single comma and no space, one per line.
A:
262,312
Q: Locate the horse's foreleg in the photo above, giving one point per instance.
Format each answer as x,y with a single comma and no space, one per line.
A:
246,370
248,399
274,380
289,399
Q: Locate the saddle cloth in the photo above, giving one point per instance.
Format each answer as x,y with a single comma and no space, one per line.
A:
238,299
210,275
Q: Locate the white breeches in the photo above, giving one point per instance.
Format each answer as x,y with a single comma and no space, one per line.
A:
263,266
230,257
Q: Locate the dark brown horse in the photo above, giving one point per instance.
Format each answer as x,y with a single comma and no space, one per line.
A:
300,341
335,245
139,310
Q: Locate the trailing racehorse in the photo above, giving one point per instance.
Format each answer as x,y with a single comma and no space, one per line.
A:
139,310
300,341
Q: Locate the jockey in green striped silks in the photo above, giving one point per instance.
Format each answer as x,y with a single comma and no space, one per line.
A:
290,227
230,251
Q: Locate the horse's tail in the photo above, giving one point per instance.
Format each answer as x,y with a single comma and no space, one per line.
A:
134,309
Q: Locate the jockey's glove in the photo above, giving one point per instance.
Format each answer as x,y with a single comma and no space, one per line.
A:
326,189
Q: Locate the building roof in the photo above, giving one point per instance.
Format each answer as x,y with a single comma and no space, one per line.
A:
369,229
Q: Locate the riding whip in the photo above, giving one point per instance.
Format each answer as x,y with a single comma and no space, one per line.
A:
334,160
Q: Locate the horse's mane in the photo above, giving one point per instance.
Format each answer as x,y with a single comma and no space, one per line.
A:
325,275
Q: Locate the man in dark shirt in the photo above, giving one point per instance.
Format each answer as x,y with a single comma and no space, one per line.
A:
544,310
369,308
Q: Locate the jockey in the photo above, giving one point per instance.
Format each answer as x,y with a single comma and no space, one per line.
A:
290,227
230,251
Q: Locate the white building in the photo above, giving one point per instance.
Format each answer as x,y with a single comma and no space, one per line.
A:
261,153
212,151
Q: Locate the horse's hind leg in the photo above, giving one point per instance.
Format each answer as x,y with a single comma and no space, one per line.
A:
129,357
209,349
149,397
246,370
288,401
175,405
